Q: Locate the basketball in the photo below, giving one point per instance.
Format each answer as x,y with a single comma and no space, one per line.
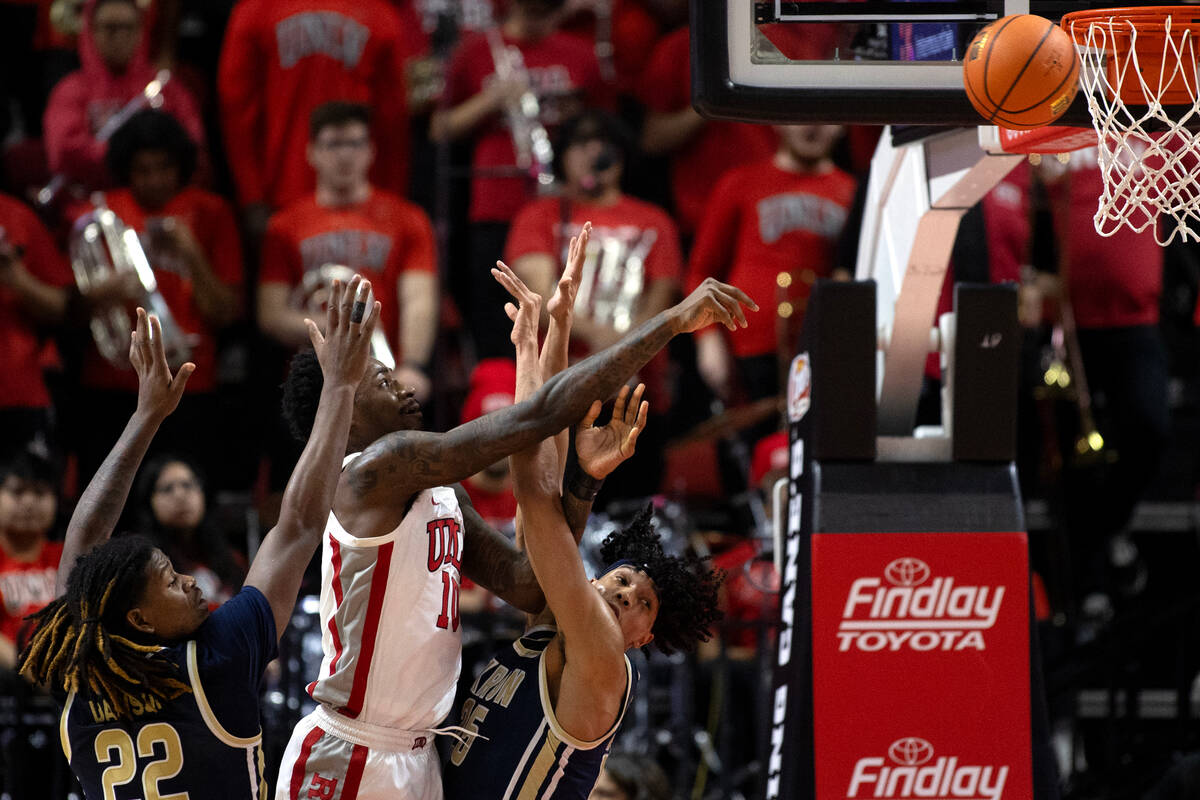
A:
1021,72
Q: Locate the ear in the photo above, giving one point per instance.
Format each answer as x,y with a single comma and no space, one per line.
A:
647,639
138,621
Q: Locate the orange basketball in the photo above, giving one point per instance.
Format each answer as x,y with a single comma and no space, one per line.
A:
1021,72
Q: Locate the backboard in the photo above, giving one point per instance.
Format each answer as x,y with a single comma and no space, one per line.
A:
848,61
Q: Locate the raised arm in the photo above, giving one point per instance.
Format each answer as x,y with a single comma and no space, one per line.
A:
343,354
100,506
594,641
396,466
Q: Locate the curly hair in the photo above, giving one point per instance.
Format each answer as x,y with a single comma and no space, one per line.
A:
151,129
302,393
686,586
82,640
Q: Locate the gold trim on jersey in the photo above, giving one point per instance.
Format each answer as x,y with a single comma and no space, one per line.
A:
63,737
548,707
528,652
206,712
546,759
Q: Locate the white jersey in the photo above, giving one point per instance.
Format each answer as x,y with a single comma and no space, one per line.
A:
389,617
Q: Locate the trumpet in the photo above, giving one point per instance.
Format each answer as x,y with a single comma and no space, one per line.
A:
312,295
534,151
101,245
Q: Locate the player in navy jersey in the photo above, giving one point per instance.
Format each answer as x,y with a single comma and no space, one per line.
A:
160,697
544,711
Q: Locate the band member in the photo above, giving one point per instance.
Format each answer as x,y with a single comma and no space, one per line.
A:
351,223
507,89
397,547
28,559
114,50
279,62
35,291
190,239
774,225
543,713
157,691
632,270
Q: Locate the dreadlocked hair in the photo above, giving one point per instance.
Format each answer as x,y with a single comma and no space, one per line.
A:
686,586
82,642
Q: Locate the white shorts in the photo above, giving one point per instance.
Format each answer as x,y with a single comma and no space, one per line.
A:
332,758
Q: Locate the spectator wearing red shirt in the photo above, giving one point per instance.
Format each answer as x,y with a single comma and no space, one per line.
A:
1114,285
281,59
700,150
35,290
350,222
564,76
493,384
28,559
116,66
632,271
191,241
771,228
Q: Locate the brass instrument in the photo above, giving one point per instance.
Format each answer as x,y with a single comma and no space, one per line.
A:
613,277
101,245
312,296
535,154
150,97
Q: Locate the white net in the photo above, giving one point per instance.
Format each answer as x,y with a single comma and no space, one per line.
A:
1142,97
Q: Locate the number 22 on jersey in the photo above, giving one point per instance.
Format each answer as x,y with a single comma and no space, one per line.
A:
115,747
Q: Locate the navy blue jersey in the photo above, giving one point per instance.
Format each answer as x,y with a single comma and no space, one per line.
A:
526,754
203,744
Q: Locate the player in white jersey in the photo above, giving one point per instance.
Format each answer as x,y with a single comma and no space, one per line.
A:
392,648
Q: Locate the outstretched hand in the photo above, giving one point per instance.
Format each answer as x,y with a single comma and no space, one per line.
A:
713,302
350,319
158,390
527,310
601,450
562,303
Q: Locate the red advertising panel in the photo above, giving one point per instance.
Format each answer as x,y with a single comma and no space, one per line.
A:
921,666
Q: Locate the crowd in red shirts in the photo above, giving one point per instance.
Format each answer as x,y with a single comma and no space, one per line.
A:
254,145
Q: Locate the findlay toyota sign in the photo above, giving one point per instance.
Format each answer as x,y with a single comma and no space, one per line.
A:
909,608
920,666
913,770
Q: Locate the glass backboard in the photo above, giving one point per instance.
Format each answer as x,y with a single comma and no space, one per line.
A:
848,61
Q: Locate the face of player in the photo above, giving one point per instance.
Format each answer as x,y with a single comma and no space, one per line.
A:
178,500
27,508
342,156
171,605
579,162
633,600
153,178
809,142
382,405
117,32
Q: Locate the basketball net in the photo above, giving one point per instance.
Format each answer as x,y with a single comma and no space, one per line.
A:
1142,98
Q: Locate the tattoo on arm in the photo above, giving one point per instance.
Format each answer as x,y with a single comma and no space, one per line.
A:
490,560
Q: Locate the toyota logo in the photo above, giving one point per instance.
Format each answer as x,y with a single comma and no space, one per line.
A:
910,751
907,571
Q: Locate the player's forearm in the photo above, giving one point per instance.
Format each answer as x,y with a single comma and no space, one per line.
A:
566,397
99,507
309,493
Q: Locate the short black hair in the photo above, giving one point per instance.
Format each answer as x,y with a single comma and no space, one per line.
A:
590,125
638,776
30,466
336,113
151,129
686,585
302,393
